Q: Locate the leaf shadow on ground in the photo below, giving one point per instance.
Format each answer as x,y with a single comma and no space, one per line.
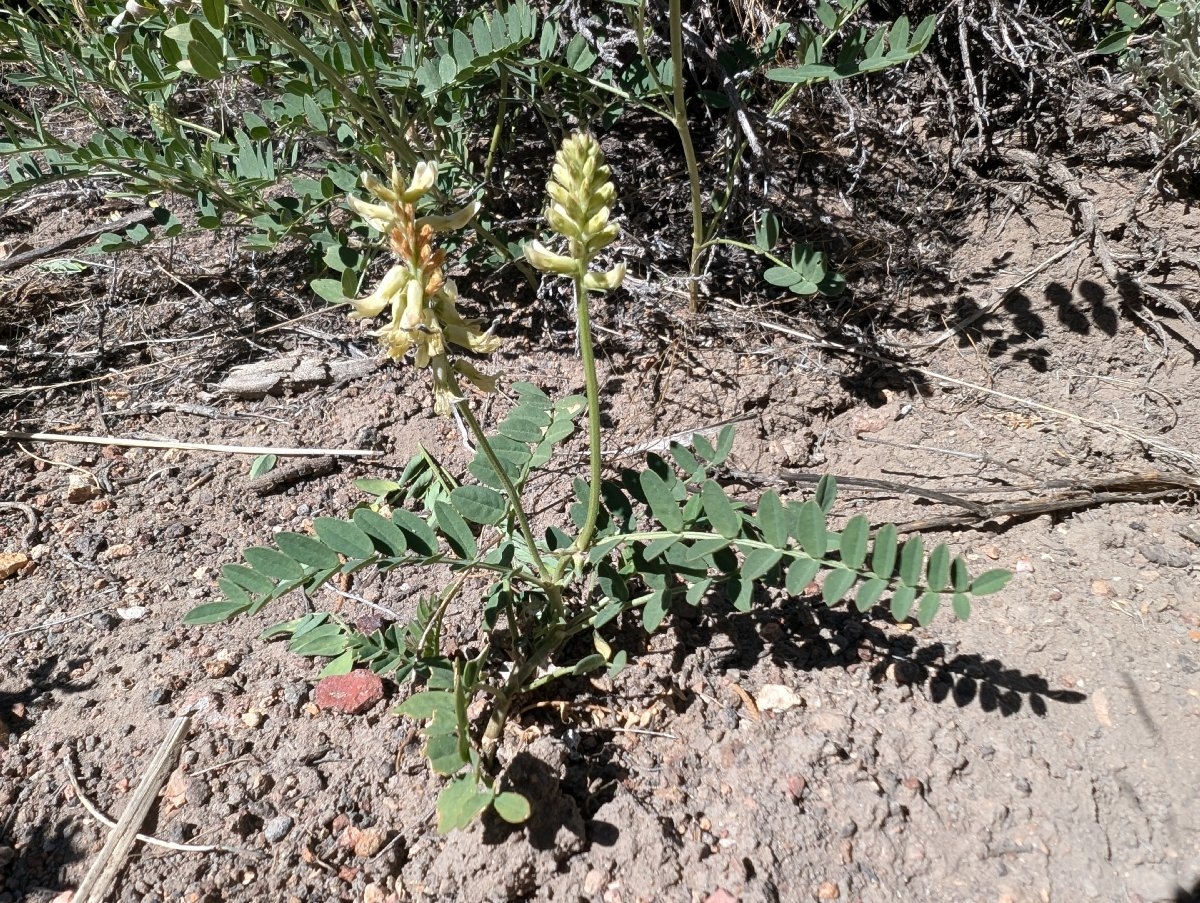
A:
807,635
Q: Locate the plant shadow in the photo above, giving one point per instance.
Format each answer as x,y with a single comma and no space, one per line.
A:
805,634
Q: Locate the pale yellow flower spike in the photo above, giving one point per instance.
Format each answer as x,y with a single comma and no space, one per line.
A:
581,196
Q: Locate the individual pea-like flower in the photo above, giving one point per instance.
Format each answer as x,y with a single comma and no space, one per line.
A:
581,196
421,301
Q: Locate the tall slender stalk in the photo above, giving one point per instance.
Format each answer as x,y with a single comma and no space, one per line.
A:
587,355
680,121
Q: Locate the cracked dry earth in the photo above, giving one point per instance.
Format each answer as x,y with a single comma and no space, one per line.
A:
1045,750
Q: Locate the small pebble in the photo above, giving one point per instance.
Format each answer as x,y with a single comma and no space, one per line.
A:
277,828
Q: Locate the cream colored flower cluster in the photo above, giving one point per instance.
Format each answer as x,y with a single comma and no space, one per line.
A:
416,292
581,196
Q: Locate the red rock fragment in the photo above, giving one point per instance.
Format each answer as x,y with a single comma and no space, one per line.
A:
352,693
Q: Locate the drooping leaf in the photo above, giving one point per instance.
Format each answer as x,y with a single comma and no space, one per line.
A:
962,606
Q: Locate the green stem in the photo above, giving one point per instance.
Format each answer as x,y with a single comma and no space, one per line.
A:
587,354
514,497
689,152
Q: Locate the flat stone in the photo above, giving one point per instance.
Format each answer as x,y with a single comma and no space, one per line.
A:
352,693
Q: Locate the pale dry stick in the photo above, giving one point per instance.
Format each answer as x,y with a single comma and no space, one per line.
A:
109,823
104,870
186,446
1101,425
4,637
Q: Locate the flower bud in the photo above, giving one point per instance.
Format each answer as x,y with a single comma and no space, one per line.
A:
547,261
604,282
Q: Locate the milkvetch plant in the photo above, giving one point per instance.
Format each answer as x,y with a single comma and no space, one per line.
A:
638,543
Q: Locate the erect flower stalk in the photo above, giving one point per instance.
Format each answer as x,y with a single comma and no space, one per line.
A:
581,195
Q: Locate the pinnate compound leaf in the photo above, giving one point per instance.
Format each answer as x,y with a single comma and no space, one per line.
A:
938,571
273,563
460,801
902,602
809,529
772,520
853,546
479,504
214,613
661,501
883,555
721,513
512,807
930,602
837,584
912,557
343,536
307,550
990,582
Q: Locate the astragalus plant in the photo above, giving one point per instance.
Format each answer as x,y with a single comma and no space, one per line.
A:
640,542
